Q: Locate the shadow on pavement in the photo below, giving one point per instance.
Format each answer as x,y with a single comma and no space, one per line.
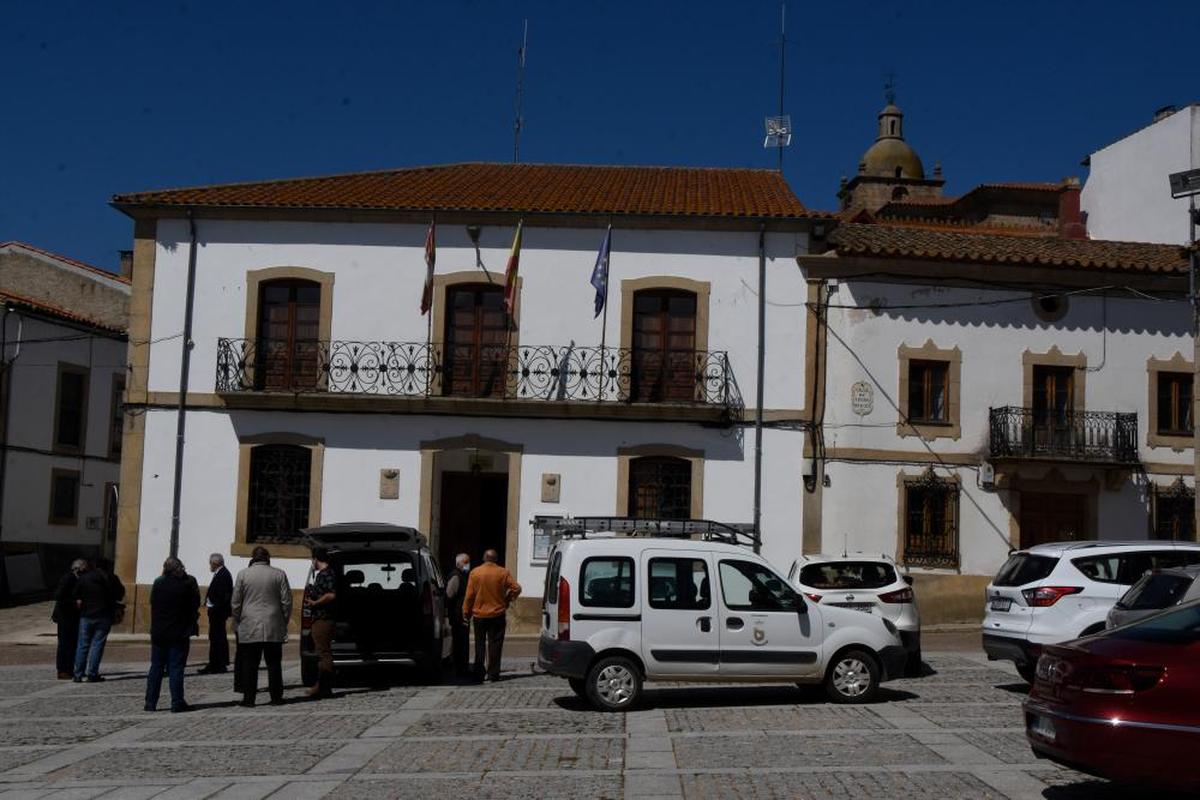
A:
1094,789
730,697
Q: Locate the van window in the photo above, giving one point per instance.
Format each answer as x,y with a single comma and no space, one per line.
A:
374,575
606,582
679,583
551,591
746,586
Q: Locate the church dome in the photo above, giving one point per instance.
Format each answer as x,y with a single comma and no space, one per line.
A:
891,156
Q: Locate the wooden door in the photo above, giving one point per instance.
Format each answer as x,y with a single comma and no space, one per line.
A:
1047,517
476,350
287,354
1053,408
664,347
473,516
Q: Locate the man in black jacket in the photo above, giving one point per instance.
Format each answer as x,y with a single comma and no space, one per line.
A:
216,600
97,594
456,590
174,610
66,617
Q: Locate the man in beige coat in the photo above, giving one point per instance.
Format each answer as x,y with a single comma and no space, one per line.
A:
262,605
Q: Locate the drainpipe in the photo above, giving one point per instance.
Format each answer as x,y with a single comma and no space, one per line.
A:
758,403
185,362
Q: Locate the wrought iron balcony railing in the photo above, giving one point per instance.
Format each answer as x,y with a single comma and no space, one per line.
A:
1090,436
518,372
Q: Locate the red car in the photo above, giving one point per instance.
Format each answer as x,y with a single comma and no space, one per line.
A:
1124,704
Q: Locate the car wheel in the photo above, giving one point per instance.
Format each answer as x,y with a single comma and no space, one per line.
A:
1027,672
853,677
613,684
308,672
578,686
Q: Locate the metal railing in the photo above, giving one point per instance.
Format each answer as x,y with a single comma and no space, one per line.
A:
518,372
1091,436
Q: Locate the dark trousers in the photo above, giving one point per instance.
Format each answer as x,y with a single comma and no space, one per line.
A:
174,657
460,635
250,654
489,633
68,640
322,636
218,642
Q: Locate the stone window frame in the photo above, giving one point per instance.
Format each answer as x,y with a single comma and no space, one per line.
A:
928,431
630,286
254,280
1176,363
906,479
437,319
1054,357
55,474
625,455
242,546
1158,490
65,367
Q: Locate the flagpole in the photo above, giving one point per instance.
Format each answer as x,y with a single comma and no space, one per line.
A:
429,355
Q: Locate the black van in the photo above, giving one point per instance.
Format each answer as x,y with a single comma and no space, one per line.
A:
391,607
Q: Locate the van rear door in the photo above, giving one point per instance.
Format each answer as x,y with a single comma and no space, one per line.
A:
378,604
679,628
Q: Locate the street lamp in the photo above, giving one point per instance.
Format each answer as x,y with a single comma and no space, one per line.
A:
1187,184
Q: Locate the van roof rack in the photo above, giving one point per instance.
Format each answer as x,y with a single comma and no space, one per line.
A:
740,533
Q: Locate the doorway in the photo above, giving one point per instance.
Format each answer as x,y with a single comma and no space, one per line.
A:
1052,517
474,515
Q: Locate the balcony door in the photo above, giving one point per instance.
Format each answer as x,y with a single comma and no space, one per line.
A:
476,341
664,347
1054,408
288,348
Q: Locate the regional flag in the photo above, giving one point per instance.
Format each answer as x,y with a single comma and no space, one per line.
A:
430,258
600,273
510,272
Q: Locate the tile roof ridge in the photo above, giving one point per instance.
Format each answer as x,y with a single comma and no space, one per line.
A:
59,311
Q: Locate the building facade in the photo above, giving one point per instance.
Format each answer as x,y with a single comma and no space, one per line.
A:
62,333
319,392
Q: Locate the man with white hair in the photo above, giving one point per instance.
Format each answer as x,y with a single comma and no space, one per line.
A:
217,601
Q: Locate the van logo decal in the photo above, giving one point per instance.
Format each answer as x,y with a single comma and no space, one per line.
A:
759,635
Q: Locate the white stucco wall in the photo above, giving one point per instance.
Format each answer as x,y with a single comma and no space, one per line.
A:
1127,196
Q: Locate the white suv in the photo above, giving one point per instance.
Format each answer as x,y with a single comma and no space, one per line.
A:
867,583
622,610
1056,592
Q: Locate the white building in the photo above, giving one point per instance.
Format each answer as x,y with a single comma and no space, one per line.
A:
1127,196
319,393
62,335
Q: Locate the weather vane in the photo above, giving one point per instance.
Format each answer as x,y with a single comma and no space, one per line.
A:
889,88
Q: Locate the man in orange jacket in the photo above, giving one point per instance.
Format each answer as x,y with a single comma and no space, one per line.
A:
490,589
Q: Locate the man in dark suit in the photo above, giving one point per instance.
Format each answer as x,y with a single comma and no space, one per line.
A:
217,600
66,617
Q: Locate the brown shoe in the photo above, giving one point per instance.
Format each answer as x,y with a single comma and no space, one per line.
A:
65,676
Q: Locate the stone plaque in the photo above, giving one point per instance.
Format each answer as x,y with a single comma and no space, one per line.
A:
389,484
862,398
551,484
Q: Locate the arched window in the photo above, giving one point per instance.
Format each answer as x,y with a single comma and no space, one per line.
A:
476,341
660,487
278,494
664,346
288,347
899,193
893,127
899,172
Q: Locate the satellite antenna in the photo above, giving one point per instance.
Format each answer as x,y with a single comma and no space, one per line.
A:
779,128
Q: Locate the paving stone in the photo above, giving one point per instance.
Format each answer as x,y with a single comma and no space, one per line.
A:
263,727
199,761
826,717
927,692
835,786
17,689
516,723
68,705
966,715
58,731
834,750
491,787
502,698
10,759
1009,747
482,755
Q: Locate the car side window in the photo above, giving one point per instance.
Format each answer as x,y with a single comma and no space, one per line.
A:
679,583
746,586
1164,559
606,582
1102,569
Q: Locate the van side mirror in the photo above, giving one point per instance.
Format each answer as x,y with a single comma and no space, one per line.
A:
908,579
801,606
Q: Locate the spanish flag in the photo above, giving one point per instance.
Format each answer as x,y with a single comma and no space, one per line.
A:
510,272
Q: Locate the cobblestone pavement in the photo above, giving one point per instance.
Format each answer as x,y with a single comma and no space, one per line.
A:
954,734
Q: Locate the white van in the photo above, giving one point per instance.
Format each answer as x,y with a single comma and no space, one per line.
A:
622,610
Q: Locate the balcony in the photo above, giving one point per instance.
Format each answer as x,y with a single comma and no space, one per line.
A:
520,380
1093,437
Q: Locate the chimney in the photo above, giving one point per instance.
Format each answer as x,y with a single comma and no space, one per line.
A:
1164,112
1071,224
126,258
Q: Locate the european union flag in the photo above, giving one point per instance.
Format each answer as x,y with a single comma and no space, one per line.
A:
600,273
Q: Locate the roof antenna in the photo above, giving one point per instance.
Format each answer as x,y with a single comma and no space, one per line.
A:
889,88
779,128
519,122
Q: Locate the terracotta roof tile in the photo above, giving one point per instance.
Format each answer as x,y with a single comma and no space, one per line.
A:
906,242
65,259
53,310
520,188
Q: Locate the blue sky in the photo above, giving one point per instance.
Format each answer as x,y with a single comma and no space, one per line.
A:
121,96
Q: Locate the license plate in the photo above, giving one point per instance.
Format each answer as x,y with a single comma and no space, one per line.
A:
1042,727
1001,603
867,607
